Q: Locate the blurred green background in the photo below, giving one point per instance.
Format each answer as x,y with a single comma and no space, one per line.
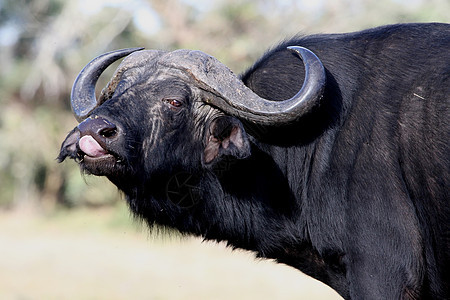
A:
43,45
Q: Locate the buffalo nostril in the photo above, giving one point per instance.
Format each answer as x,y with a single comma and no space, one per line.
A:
108,132
98,127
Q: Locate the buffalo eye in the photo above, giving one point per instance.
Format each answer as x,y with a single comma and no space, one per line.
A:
174,102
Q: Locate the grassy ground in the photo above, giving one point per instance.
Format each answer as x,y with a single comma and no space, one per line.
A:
101,254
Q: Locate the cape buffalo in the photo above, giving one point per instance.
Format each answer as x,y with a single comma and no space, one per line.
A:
330,154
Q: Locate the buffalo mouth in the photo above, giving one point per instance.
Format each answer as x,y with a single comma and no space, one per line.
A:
93,156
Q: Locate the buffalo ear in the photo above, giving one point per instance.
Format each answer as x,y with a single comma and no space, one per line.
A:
226,136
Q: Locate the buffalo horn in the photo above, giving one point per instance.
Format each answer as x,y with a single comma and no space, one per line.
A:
261,111
83,98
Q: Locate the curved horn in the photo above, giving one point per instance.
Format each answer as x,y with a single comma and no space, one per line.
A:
255,109
232,96
83,98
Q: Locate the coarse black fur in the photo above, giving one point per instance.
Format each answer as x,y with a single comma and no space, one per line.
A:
354,194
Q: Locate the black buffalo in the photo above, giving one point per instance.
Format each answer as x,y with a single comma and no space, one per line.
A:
343,172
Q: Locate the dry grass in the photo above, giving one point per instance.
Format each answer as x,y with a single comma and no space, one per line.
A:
90,255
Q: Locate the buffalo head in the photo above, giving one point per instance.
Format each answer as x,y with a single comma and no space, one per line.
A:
163,112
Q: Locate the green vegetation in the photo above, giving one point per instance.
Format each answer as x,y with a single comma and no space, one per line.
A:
44,43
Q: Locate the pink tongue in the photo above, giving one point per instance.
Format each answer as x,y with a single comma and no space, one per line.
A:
91,147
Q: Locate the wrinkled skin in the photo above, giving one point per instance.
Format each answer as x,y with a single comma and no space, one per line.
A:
354,194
